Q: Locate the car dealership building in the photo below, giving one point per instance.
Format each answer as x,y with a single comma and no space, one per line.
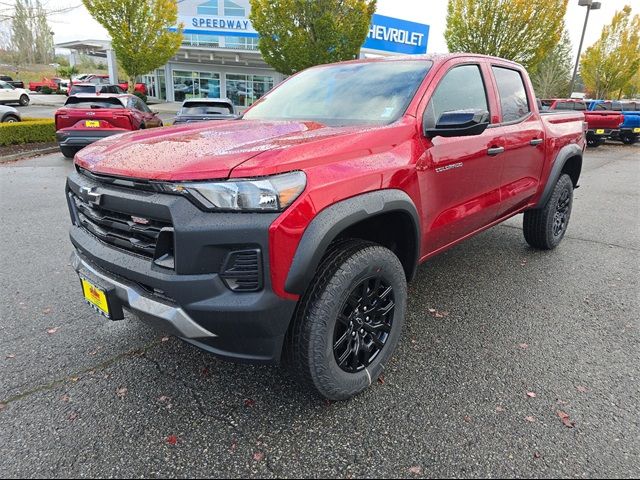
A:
219,56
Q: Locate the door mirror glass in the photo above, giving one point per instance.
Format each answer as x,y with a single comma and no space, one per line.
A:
459,123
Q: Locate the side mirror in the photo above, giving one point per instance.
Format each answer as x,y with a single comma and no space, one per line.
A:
459,123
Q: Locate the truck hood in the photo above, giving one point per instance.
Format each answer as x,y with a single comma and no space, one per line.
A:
200,151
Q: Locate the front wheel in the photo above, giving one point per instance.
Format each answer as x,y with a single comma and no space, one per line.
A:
10,119
544,228
24,100
69,152
348,324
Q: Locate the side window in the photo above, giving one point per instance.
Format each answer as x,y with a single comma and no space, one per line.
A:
601,106
580,106
142,106
462,88
564,106
513,96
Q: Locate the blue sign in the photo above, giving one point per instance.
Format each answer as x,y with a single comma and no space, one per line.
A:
390,34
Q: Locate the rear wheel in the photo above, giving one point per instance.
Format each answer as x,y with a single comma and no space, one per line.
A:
544,228
69,152
348,324
593,141
24,100
629,138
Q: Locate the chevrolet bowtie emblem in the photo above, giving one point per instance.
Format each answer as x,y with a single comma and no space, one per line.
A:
89,194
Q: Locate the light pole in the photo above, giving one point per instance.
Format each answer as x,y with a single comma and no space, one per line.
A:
591,5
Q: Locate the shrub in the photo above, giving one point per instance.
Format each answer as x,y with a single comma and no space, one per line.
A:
142,96
46,90
30,130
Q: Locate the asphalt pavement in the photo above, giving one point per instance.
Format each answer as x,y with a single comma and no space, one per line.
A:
513,362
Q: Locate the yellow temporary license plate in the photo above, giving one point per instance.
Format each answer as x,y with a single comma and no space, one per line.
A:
636,130
92,124
95,296
599,131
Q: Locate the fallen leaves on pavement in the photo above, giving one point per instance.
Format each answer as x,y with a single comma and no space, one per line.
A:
121,392
531,394
53,330
564,418
530,419
172,439
258,456
582,389
415,470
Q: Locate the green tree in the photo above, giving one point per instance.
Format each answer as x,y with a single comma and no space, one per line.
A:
609,65
553,75
142,32
68,72
524,31
296,34
31,34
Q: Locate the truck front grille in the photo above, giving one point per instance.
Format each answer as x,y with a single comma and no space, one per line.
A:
129,232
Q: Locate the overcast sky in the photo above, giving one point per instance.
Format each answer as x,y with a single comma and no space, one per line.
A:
78,24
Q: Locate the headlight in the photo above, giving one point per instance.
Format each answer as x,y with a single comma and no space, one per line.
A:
267,194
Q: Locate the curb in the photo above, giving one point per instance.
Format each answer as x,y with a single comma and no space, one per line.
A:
28,154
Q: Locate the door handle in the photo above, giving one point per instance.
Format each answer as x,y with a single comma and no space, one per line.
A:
493,151
536,141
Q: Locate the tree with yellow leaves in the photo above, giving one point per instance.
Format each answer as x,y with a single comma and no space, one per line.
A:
143,33
608,66
525,31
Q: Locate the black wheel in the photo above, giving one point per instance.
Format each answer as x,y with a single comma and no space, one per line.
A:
544,228
24,100
593,141
348,324
69,152
629,138
10,119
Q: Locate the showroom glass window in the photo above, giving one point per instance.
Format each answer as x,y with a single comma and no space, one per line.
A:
232,9
243,90
188,84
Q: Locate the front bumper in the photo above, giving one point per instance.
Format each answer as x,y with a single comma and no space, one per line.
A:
82,138
191,300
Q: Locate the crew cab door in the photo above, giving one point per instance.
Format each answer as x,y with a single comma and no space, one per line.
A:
520,125
459,176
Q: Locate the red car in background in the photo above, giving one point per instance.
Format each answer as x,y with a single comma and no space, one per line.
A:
86,118
602,124
52,83
99,79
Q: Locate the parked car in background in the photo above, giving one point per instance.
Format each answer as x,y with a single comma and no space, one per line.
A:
104,79
86,118
9,115
11,81
203,109
52,83
77,88
630,129
11,94
601,124
290,234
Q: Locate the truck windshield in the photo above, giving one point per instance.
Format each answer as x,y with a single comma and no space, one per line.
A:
375,93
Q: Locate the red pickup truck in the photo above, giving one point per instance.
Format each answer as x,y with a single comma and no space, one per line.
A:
290,234
602,124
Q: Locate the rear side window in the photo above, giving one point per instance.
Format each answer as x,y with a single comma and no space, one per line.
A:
83,89
580,106
462,88
513,95
564,106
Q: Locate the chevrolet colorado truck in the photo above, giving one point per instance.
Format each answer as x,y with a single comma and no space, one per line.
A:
630,129
601,124
290,234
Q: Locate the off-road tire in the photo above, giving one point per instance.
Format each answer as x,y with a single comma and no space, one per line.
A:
544,228
629,138
309,348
